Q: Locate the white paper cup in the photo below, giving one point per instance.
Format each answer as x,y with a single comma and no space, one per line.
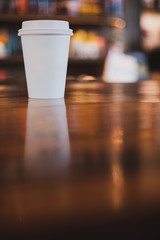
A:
45,45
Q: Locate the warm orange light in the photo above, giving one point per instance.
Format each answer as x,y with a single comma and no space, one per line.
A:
117,22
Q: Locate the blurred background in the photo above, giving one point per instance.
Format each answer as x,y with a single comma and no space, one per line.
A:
114,40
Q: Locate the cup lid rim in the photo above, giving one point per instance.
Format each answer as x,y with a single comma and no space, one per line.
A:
22,32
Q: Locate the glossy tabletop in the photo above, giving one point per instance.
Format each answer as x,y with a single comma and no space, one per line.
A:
87,165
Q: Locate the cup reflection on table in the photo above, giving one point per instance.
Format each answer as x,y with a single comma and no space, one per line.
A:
47,148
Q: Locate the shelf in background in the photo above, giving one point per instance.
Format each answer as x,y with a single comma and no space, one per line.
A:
86,61
15,67
19,60
9,60
78,20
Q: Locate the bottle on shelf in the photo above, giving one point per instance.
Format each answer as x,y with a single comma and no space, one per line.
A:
33,6
52,6
22,6
73,7
43,6
8,6
4,6
14,6
114,8
91,7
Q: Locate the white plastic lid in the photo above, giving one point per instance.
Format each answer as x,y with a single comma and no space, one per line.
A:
45,27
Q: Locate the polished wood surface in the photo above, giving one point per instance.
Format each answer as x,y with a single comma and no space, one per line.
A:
84,167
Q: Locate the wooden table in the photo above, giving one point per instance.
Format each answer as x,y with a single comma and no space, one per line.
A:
84,167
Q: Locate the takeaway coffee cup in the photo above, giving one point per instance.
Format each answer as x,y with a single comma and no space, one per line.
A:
45,46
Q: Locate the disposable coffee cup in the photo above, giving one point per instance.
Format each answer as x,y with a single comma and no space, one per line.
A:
45,47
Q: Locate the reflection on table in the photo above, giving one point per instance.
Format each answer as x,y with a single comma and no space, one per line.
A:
89,164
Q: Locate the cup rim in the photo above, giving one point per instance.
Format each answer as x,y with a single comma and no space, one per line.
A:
44,27
39,31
